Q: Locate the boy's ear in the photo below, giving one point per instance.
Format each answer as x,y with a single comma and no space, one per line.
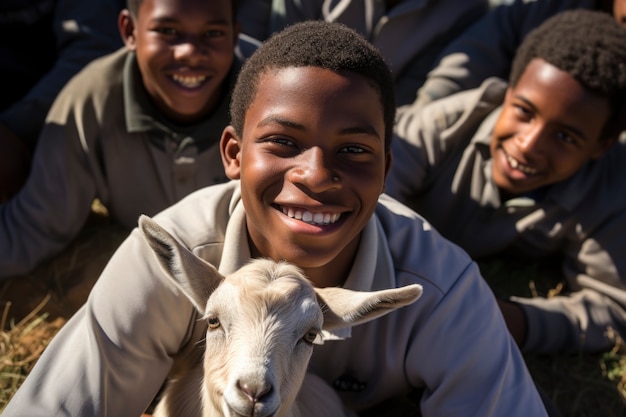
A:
126,26
230,148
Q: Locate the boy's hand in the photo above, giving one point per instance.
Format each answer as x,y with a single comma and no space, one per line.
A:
515,320
14,163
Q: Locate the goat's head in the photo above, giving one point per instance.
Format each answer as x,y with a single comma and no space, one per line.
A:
262,322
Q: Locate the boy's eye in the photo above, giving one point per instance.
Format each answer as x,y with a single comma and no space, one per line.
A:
282,141
166,31
523,112
215,33
352,149
565,137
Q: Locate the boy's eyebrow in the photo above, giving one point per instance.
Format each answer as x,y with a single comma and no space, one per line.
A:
270,120
168,19
366,129
571,128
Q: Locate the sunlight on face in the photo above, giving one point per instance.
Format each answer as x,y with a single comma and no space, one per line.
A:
549,127
312,165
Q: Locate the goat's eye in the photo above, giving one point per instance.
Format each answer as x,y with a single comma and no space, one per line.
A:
311,336
213,322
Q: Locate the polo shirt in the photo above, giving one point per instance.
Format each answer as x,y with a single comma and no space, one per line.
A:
112,357
442,168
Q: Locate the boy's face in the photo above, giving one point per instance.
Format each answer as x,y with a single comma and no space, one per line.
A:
550,126
312,165
184,50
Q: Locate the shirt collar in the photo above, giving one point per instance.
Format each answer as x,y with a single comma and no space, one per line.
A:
368,272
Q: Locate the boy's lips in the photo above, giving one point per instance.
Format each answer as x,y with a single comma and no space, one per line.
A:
189,81
317,218
517,165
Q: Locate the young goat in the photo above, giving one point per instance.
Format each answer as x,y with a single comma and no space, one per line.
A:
262,323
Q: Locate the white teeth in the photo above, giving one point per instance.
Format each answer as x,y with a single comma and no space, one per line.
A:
189,81
515,164
308,217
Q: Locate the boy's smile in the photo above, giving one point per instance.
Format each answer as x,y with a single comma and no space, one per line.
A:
550,126
312,165
185,50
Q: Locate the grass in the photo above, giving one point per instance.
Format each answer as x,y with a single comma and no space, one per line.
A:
36,306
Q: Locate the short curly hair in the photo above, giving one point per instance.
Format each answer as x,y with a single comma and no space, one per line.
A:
315,43
591,47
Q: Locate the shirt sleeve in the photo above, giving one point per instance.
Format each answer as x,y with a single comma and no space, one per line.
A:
84,31
594,313
469,336
419,145
54,203
487,48
112,357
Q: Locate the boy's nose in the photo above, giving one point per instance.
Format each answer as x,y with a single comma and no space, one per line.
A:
190,49
314,172
531,140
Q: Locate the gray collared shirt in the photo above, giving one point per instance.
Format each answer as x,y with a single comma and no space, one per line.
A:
104,139
442,169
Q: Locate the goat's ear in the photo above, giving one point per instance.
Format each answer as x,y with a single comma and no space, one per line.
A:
196,278
343,307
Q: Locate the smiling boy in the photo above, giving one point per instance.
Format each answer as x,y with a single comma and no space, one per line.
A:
308,151
535,169
138,129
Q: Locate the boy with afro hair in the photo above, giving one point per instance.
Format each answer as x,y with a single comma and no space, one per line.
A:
307,153
138,129
535,169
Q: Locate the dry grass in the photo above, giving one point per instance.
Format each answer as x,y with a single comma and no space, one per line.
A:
35,307
21,344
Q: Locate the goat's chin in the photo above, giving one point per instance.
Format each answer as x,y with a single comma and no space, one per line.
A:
246,410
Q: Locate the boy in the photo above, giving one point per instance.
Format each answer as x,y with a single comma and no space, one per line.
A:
308,151
486,49
535,169
138,129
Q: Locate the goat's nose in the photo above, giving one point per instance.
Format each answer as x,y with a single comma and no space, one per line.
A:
254,391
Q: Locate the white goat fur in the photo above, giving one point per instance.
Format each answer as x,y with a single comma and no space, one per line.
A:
261,324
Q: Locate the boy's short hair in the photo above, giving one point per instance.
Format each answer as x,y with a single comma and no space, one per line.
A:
591,47
133,6
312,43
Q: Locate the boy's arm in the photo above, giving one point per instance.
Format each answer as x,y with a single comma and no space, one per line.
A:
487,48
588,319
411,159
54,203
112,357
424,137
467,359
